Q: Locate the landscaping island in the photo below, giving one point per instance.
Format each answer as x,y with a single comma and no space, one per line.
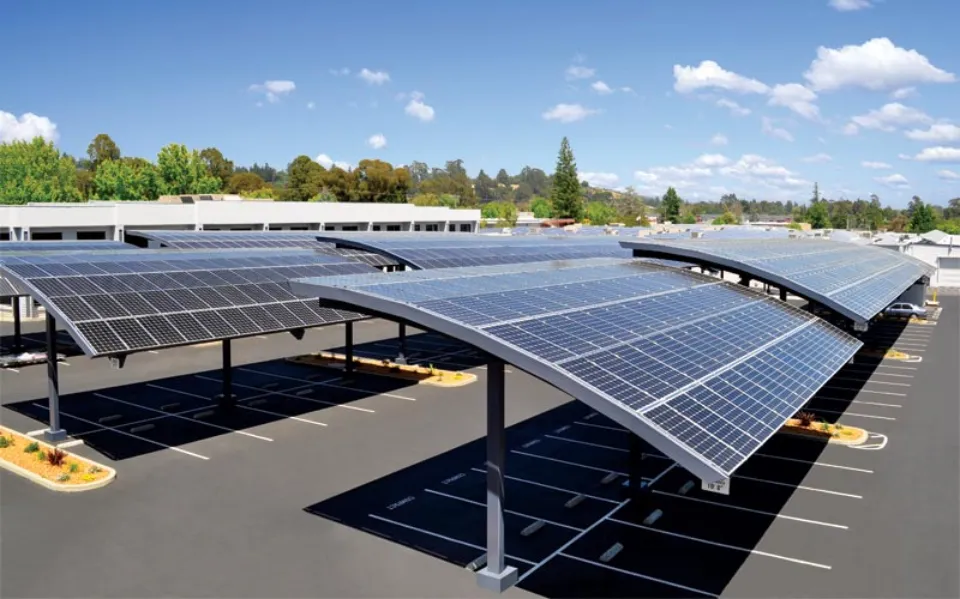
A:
424,375
49,466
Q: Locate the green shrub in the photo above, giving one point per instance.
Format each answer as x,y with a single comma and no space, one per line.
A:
63,478
74,467
4,442
32,447
94,469
41,456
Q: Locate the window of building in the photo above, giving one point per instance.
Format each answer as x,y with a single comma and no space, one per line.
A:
393,228
434,227
46,236
299,228
4,235
350,228
376,227
329,228
466,228
452,227
91,235
416,227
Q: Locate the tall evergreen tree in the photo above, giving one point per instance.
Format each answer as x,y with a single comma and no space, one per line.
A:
566,195
670,206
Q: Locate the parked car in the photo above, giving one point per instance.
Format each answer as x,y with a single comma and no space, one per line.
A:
905,310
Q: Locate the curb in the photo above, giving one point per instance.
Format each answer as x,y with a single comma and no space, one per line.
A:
335,362
61,487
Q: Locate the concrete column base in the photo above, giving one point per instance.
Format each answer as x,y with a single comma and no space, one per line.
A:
497,582
54,436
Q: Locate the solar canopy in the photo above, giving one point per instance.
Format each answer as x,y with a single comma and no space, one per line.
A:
14,248
455,250
214,240
706,371
122,302
855,281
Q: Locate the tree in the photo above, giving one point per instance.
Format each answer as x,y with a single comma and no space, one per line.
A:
599,213
263,192
523,192
265,172
641,219
101,149
670,206
952,210
85,183
727,218
541,207
340,183
35,171
305,179
429,199
923,218
504,212
818,216
127,181
378,181
898,224
503,178
485,187
241,182
566,193
217,165
184,172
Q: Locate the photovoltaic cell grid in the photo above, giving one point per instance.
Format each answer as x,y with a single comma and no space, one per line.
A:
854,280
13,248
122,302
441,250
714,368
215,240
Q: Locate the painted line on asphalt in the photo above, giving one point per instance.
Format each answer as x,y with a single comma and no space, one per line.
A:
844,413
333,385
125,433
750,510
860,401
638,575
602,426
506,511
279,415
865,390
175,415
292,395
546,486
786,459
559,461
870,381
677,535
587,443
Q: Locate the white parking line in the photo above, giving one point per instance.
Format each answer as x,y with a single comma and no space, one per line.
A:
780,457
239,405
506,511
890,366
638,575
869,381
443,537
603,426
750,510
890,374
860,401
576,538
843,413
290,395
587,443
328,384
792,486
546,486
559,461
175,415
677,535
864,390
122,432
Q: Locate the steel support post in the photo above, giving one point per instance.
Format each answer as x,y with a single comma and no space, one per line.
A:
226,398
402,336
635,468
745,281
17,337
783,294
348,334
54,432
496,575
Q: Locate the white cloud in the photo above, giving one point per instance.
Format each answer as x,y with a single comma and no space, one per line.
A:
895,180
601,88
709,74
875,65
327,162
939,154
568,113
374,77
797,98
577,71
274,89
768,128
734,108
754,165
712,160
27,127
879,166
849,5
627,90
940,132
948,175
607,180
340,72
418,109
903,93
311,105
904,156
850,129
890,116
719,140
821,157
377,141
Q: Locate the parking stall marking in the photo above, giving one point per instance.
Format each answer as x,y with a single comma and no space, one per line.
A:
860,401
846,413
506,511
869,381
638,575
546,486
179,416
279,415
865,390
292,395
750,510
128,434
329,384
785,458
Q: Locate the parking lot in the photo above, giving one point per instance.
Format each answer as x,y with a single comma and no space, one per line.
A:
318,486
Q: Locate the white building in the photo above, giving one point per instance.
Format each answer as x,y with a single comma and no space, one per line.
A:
109,220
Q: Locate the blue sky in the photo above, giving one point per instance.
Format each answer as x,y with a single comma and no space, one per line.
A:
868,99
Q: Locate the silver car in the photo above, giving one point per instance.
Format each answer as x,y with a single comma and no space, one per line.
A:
904,309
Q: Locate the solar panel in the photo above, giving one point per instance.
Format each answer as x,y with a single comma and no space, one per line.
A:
62,246
853,280
705,370
121,302
444,250
212,240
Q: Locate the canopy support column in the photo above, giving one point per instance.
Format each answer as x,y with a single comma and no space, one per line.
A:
226,398
17,337
348,342
783,294
745,281
496,575
54,432
402,336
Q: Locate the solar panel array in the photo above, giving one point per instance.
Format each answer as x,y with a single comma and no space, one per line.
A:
457,250
12,248
218,240
854,280
715,369
121,302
